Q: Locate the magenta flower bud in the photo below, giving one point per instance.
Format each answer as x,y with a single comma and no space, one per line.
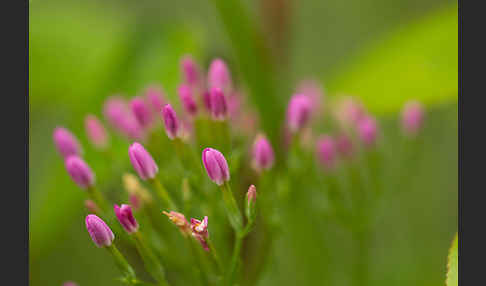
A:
206,97
367,130
298,112
190,71
185,94
326,151
412,117
171,122
219,106
66,143
142,161
219,75
121,118
263,156
125,217
79,172
155,98
216,166
141,112
313,90
69,283
200,231
100,233
344,145
96,131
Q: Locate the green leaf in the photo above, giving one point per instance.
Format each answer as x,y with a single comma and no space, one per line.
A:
452,264
417,61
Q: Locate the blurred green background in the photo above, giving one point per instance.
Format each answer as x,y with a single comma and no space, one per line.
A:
385,52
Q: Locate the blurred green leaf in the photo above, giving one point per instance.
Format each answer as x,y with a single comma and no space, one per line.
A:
416,61
453,263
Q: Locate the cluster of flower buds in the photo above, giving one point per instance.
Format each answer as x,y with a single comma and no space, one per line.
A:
215,99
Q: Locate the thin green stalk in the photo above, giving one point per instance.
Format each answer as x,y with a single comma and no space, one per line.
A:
123,265
235,259
214,255
232,210
153,265
195,254
163,194
361,270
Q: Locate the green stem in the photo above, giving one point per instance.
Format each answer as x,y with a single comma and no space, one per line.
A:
214,255
153,265
232,210
362,258
163,194
195,254
123,265
235,258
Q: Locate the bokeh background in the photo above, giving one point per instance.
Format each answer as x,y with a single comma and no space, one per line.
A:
384,52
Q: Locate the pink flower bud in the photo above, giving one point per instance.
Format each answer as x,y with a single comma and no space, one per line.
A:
218,104
179,220
344,145
200,231
367,130
125,217
298,112
263,156
185,94
155,98
91,207
69,283
250,209
216,166
219,75
96,131
141,112
100,233
79,172
66,143
207,100
412,118
251,195
326,151
122,119
142,161
313,90
190,71
171,122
